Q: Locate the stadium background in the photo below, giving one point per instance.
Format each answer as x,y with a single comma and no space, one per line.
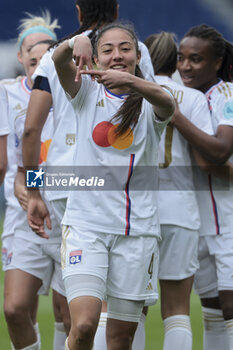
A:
148,16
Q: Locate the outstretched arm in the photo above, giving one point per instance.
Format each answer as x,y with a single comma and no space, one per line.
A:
163,103
69,58
216,148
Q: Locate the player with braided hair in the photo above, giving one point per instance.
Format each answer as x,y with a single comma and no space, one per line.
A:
22,256
205,62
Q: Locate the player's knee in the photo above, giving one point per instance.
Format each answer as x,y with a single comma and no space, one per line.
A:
14,312
120,340
83,331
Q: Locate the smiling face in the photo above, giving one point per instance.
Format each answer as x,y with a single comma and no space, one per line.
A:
197,64
117,50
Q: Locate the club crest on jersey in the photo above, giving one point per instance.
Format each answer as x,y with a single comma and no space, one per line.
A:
228,110
70,139
75,257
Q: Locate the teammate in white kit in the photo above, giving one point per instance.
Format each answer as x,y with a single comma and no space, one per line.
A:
179,214
19,253
108,229
205,62
92,14
4,131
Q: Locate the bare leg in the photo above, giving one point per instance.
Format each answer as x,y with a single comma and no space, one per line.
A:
20,301
85,313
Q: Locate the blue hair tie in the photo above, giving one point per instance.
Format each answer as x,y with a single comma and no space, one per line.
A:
36,29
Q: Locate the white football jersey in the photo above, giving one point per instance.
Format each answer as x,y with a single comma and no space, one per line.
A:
177,198
61,152
216,205
18,93
4,125
132,207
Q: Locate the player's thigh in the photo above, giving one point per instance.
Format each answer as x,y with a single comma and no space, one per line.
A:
20,289
205,279
133,268
178,252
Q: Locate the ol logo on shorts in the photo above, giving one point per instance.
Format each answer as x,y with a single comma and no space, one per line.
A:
75,257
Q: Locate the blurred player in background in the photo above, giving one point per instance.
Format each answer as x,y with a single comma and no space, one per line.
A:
27,264
205,61
179,214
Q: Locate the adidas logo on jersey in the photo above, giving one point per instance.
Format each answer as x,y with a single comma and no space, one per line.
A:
100,103
18,106
149,287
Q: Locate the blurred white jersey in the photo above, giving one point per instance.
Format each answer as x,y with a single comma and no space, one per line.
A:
177,200
127,210
4,124
216,205
18,93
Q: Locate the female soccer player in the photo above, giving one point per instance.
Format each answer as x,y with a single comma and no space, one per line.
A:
179,214
108,229
47,91
28,263
205,62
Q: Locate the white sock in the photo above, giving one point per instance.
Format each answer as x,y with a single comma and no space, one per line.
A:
100,336
37,330
38,343
59,337
229,328
66,344
140,337
34,346
178,333
215,333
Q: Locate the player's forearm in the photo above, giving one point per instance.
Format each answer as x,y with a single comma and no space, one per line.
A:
31,148
208,145
163,103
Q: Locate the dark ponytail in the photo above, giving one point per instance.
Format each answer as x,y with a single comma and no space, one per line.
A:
95,13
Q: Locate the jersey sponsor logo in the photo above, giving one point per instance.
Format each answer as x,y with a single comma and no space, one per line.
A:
70,139
104,135
44,148
75,257
35,178
228,110
100,103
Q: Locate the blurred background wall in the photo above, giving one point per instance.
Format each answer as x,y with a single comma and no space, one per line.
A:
148,16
